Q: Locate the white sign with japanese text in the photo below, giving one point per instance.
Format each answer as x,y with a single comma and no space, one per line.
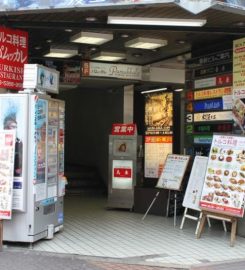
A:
212,116
122,174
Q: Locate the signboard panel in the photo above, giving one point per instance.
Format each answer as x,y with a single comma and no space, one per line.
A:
203,139
220,80
156,150
222,127
173,172
7,146
223,189
212,93
122,174
124,129
159,114
195,183
120,71
212,70
224,103
13,56
213,116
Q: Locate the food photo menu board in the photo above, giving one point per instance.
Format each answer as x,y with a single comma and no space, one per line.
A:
173,172
224,185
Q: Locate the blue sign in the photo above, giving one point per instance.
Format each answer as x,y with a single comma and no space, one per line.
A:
199,139
208,105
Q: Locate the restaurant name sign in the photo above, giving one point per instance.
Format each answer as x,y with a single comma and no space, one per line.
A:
13,56
212,93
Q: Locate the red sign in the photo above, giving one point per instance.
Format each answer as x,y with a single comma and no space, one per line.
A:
122,172
224,79
124,129
13,56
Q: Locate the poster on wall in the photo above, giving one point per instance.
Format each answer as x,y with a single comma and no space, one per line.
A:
159,114
156,150
13,116
195,183
7,145
173,172
224,184
122,174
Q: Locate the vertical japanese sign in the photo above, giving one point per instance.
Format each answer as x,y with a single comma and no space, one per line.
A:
159,114
13,56
7,143
239,85
224,183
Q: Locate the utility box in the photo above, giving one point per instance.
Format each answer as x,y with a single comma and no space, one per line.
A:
125,165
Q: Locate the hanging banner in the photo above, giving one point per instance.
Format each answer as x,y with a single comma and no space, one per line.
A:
212,93
7,145
173,172
213,116
156,150
239,68
213,81
206,71
195,183
120,71
223,189
13,56
159,114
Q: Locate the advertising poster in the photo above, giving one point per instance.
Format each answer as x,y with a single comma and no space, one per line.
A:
224,186
122,174
173,172
156,150
7,144
195,183
13,116
61,150
40,148
13,56
159,114
239,115
71,73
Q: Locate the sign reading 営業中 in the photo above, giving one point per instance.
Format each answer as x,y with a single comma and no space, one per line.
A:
13,56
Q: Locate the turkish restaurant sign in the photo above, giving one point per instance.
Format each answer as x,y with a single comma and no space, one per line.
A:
212,93
13,56
120,71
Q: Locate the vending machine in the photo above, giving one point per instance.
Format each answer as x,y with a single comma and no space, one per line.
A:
39,182
125,165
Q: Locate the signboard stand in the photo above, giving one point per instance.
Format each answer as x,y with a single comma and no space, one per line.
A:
207,214
171,179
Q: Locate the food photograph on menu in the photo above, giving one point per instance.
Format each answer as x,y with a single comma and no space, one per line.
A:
159,114
224,184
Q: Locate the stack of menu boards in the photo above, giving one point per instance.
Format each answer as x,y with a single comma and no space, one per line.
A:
208,100
224,184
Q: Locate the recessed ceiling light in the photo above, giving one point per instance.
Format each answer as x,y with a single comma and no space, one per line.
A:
93,49
124,35
155,21
49,40
91,19
91,38
37,47
239,24
137,55
146,43
108,56
178,90
180,41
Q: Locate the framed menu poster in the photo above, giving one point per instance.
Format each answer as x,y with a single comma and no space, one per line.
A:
173,172
224,184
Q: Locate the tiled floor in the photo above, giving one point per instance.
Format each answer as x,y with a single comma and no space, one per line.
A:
90,229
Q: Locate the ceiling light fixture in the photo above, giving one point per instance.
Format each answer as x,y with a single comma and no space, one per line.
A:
108,56
61,53
156,21
91,19
146,43
68,30
91,38
154,90
178,90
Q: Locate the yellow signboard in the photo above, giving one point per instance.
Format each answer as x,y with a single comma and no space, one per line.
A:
212,93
